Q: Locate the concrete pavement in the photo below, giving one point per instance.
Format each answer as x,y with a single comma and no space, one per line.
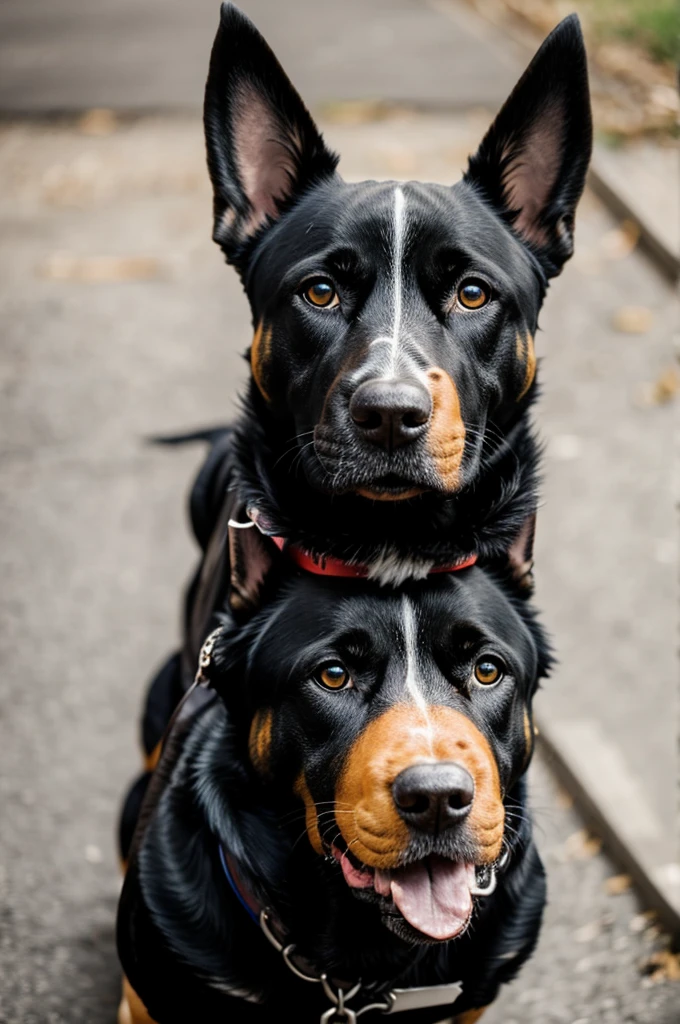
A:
96,549
121,321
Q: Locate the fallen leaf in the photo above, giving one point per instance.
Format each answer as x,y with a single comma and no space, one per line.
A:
356,112
620,242
582,845
617,885
64,266
99,121
666,386
662,966
641,921
633,319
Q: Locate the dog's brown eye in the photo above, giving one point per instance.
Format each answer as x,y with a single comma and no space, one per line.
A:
334,677
473,293
321,293
489,671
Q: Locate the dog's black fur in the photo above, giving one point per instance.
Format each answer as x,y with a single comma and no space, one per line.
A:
461,475
452,471
185,942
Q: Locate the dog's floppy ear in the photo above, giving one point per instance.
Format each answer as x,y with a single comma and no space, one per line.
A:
263,146
533,160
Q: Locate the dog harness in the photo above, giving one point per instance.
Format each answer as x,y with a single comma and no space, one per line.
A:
394,1000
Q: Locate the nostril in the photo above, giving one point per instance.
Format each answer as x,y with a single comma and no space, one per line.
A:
458,800
414,418
367,419
414,803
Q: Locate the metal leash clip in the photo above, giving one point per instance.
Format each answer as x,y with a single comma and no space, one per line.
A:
394,1001
205,657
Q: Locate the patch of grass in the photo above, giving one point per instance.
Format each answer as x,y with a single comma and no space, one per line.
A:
652,24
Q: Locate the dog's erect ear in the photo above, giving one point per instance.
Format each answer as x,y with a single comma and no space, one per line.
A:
263,146
251,558
533,160
521,555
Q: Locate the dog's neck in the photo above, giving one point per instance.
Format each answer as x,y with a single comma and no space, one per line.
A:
483,517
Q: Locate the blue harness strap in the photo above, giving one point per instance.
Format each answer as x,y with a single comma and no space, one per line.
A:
235,889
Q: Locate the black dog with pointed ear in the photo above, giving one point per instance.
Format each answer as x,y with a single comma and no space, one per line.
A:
532,163
393,360
263,147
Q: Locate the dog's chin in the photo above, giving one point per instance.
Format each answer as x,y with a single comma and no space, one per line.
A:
339,468
372,478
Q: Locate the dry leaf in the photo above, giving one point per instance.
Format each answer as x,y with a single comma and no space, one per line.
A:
666,386
582,845
64,266
662,966
565,800
633,319
99,121
641,921
621,241
356,112
617,884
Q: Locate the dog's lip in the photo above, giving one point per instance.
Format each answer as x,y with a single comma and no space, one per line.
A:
390,485
391,891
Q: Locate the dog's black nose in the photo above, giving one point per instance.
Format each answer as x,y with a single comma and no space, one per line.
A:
391,412
433,797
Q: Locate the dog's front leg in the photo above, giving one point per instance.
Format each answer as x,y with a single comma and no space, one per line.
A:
470,1016
132,1010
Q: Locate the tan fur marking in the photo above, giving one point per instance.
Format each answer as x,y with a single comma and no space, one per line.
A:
375,832
446,435
260,350
301,789
470,1016
530,358
260,740
528,738
151,760
132,1010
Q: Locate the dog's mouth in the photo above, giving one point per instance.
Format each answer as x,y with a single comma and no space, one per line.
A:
432,897
390,487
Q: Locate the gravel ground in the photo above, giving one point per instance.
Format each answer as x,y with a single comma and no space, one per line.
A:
121,322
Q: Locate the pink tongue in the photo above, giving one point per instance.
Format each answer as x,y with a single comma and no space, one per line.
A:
433,895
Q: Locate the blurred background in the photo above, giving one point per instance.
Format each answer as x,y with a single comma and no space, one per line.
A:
120,321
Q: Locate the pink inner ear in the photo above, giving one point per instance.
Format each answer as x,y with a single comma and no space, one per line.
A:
532,173
265,156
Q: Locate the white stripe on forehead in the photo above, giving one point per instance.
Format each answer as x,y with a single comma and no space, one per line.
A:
396,275
412,675
393,353
397,266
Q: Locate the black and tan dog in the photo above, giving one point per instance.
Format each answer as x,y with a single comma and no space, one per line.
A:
393,364
360,779
386,436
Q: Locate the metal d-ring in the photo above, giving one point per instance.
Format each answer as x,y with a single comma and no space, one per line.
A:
478,890
339,999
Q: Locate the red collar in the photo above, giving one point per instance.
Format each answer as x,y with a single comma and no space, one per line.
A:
328,565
